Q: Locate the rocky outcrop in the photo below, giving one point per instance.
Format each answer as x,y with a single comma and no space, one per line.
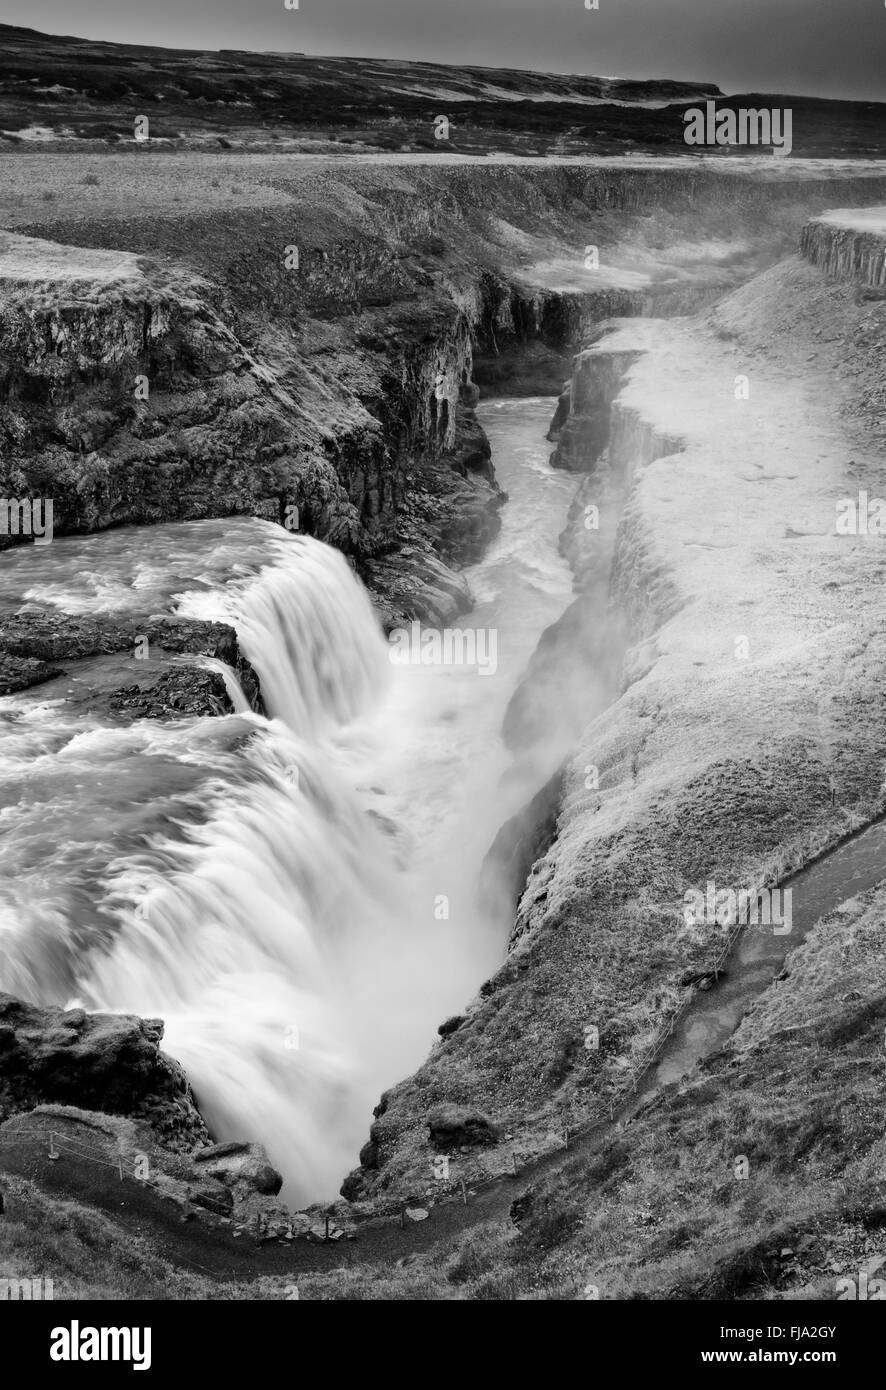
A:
94,1154
581,422
525,336
38,646
106,1062
523,839
128,399
240,1167
849,244
455,1126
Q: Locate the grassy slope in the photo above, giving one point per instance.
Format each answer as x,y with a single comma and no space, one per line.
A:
660,1211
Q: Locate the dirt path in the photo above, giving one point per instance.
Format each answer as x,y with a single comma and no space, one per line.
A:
214,1250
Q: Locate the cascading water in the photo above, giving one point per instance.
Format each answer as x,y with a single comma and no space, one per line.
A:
293,895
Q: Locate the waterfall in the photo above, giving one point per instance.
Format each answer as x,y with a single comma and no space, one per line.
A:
270,886
254,937
306,625
260,933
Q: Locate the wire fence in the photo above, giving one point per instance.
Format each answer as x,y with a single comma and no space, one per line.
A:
61,1144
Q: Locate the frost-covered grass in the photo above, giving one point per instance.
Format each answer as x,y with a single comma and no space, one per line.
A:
34,262
749,737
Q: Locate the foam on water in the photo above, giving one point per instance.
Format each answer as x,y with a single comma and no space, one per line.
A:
294,895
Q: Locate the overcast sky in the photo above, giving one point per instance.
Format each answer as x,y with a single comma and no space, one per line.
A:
820,47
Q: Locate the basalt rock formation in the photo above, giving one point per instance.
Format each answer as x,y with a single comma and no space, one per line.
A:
848,244
107,1062
37,646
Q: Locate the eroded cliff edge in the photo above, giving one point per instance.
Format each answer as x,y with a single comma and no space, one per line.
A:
746,735
310,351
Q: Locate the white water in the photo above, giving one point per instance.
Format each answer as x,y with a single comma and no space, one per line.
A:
294,896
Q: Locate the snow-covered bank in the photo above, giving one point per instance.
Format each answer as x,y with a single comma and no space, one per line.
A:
749,734
849,243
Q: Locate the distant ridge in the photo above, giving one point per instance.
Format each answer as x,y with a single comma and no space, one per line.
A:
59,90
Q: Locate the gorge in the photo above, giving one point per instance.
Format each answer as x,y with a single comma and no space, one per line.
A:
264,817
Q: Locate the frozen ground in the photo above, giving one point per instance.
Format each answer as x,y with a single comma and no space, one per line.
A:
859,219
31,261
750,734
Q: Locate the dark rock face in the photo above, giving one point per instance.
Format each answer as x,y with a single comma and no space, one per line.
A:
369,1155
521,841
451,1126
352,1188
471,454
37,646
844,251
21,672
581,421
413,583
106,1062
526,338
562,413
240,1167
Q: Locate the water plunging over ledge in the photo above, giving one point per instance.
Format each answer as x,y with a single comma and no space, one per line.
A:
293,895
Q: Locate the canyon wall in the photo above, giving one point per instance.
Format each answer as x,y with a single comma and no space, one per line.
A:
317,361
742,736
848,244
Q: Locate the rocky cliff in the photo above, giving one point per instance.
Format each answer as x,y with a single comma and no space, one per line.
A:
313,357
107,1062
750,649
849,243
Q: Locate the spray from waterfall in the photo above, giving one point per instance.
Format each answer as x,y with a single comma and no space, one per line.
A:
247,879
270,886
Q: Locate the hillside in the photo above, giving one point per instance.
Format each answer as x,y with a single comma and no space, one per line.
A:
65,90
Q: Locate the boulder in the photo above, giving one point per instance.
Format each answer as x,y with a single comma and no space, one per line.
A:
352,1189
244,1168
451,1126
106,1062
